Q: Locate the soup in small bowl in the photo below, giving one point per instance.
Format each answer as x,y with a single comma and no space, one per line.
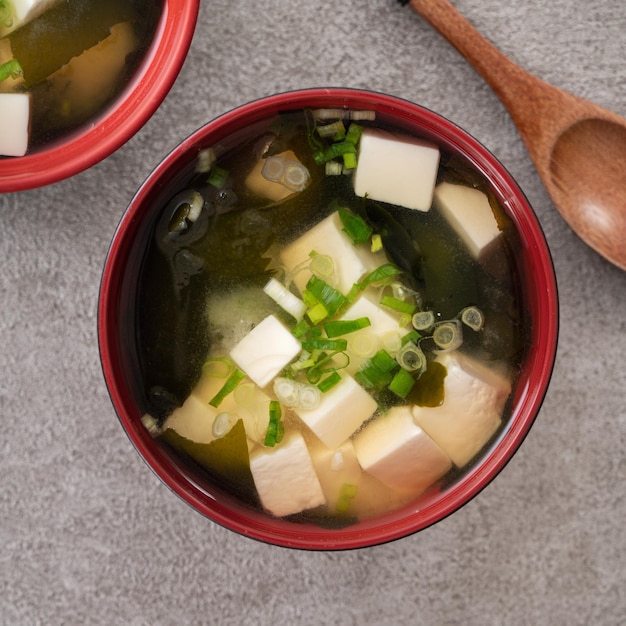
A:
79,77
328,319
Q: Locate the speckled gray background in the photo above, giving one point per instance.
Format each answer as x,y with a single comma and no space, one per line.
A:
88,535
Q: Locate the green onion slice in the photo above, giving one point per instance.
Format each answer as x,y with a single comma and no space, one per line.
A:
12,68
411,358
327,295
448,335
229,386
343,327
423,320
473,317
329,382
357,229
321,343
398,305
402,383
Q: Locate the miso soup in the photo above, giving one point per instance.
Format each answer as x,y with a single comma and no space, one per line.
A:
328,320
64,62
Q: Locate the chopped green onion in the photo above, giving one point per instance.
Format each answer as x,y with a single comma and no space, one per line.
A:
346,494
354,226
343,327
349,160
10,69
363,115
473,317
217,177
398,305
317,313
329,114
336,130
244,394
314,373
377,371
448,335
325,344
151,425
327,295
380,276
354,133
309,396
377,243
229,386
392,341
363,344
413,336
322,265
333,168
301,329
401,383
275,428
285,299
221,425
294,394
329,382
423,320
218,368
411,358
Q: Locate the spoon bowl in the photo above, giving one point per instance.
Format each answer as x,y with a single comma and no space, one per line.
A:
578,147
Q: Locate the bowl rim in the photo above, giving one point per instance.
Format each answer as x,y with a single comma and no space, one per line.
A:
123,118
530,392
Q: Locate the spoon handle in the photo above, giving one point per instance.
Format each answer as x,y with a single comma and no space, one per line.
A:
504,76
522,93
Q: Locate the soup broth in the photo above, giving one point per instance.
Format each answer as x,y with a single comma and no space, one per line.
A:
73,60
246,255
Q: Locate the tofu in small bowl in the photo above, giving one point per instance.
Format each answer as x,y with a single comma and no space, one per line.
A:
328,319
78,78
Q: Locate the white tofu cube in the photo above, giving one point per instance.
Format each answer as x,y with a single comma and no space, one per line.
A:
274,190
265,350
327,237
341,411
14,123
399,453
336,468
24,11
396,169
285,478
364,343
470,215
474,398
194,419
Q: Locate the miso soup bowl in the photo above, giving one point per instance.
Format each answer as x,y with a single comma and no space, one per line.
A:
121,119
117,331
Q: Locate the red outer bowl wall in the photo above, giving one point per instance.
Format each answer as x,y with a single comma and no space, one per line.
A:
118,124
538,285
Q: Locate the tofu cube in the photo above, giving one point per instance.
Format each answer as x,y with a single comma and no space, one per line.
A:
24,11
14,123
265,187
336,468
474,398
327,237
341,411
285,477
399,453
469,213
265,350
194,419
396,169
364,343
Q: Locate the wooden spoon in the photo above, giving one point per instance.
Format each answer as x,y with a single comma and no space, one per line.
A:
579,148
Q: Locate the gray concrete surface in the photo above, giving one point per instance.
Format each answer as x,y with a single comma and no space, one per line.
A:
89,535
